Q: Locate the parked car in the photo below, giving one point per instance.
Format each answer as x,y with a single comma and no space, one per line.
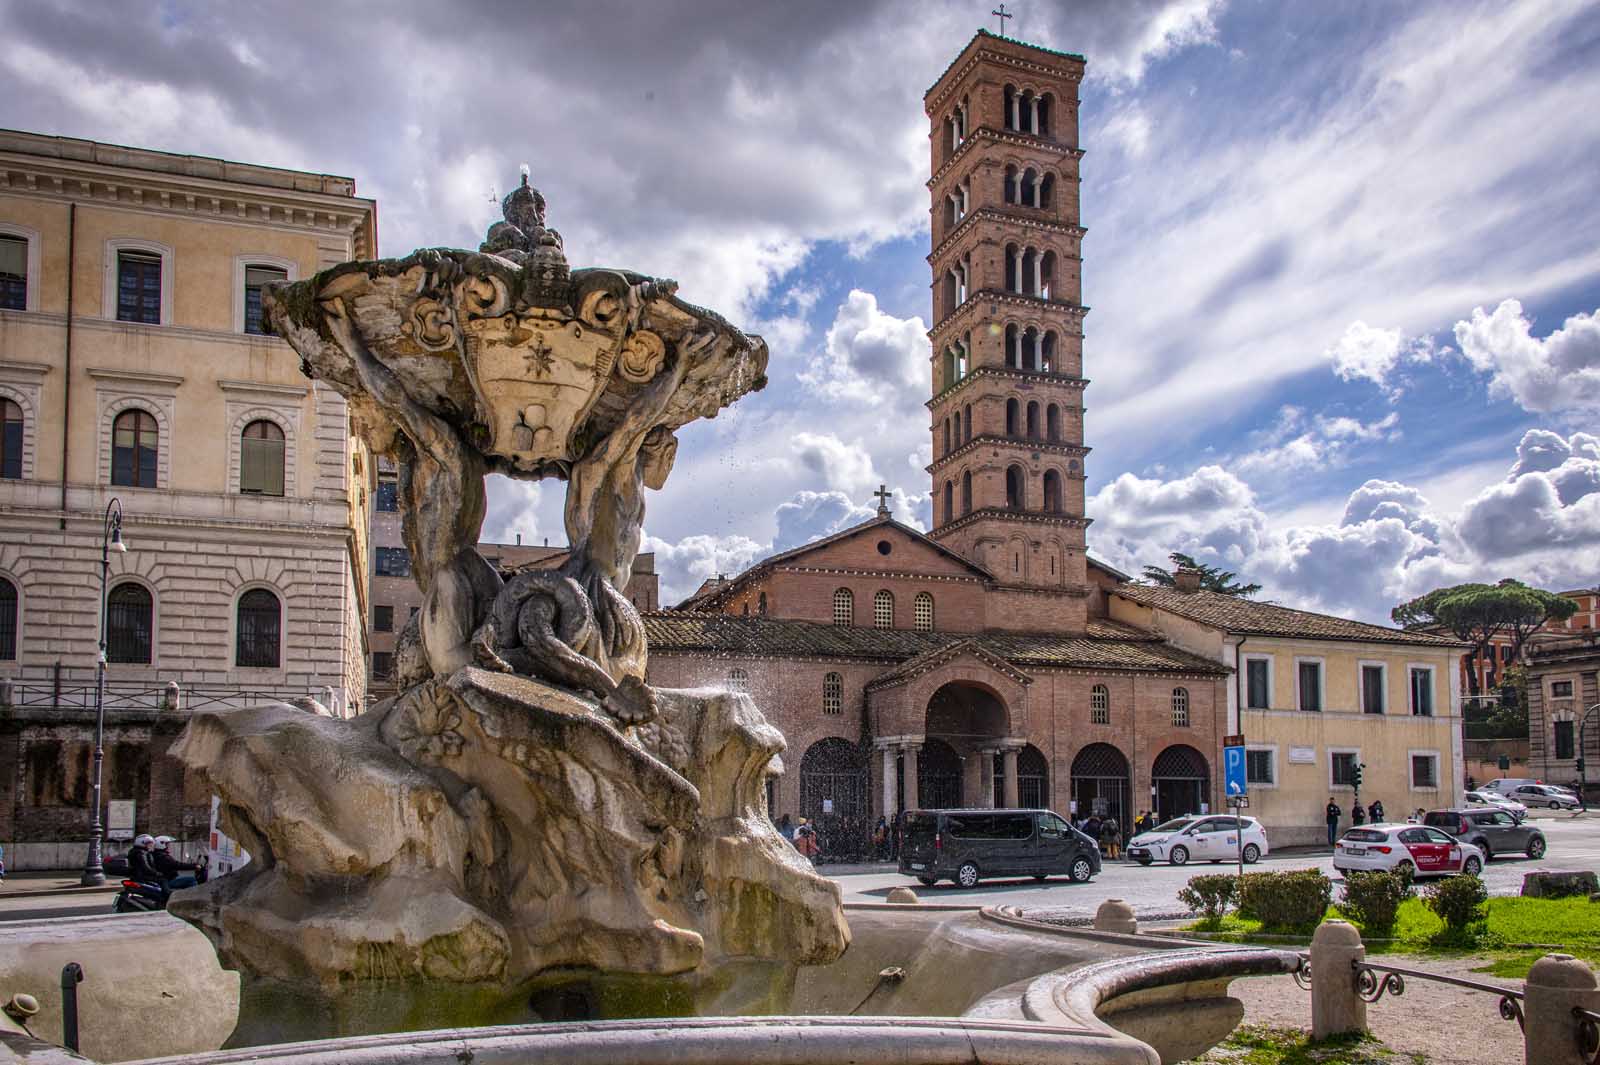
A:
1544,795
1491,831
1214,838
1497,801
1508,785
1428,851
968,845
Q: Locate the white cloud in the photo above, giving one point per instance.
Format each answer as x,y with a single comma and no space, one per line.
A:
1559,373
834,463
1130,128
687,563
1366,352
871,357
1296,444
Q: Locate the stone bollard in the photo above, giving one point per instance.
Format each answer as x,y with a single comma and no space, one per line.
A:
172,697
1336,1007
8,692
903,896
1114,915
1556,983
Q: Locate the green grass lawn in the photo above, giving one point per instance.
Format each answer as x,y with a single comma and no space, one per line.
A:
1254,1044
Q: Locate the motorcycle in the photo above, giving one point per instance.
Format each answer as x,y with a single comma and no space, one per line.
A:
140,897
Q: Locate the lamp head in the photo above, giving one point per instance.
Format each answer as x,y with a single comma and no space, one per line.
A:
116,539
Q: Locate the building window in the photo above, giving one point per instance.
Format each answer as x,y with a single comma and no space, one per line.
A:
1421,692
8,621
844,607
382,664
1258,767
1100,705
833,694
393,562
1561,689
1424,771
10,440
1310,685
883,610
135,443
130,624
254,278
1372,689
13,273
761,603
923,608
1258,684
261,459
1180,707
383,619
139,287
1344,768
1565,748
388,496
260,629
738,680
1016,497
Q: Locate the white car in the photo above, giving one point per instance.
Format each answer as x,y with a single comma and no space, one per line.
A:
1545,795
1212,838
1496,801
1428,851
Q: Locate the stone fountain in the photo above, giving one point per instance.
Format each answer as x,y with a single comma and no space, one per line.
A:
527,815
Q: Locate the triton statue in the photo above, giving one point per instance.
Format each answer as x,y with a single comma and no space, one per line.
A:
526,803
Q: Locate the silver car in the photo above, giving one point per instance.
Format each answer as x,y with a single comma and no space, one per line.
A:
1491,831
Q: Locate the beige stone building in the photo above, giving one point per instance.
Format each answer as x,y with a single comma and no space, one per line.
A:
133,365
1314,696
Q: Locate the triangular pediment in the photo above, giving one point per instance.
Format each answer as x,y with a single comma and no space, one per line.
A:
969,653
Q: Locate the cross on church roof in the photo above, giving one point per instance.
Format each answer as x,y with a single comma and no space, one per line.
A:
883,495
1003,14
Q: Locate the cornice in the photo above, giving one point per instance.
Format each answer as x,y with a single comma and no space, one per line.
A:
1002,136
136,377
31,369
1006,374
996,214
1020,517
953,74
262,388
111,325
839,571
1073,311
1021,443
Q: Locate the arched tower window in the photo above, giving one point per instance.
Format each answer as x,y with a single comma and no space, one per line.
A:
1016,497
966,493
1047,274
832,693
1052,423
1100,705
1047,189
130,624
1180,707
1047,361
1052,492
738,680
922,607
1013,119
966,430
1042,110
1033,419
1011,184
946,437
1011,417
1013,268
949,501
883,609
844,607
1030,188
259,638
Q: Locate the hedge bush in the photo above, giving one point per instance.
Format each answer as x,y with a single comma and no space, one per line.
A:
1459,902
1372,899
1292,901
1209,895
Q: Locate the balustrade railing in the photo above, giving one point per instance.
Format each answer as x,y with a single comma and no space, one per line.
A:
1373,981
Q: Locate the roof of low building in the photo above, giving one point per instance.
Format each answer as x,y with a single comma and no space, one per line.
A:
1250,618
1104,645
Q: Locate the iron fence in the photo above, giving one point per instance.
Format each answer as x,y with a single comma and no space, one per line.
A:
1373,981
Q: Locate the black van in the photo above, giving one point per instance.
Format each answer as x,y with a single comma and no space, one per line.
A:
968,845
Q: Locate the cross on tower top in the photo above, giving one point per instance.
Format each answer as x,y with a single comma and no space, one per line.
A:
1002,14
883,495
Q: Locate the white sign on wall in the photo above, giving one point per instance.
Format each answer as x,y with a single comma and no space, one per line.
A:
1302,756
119,819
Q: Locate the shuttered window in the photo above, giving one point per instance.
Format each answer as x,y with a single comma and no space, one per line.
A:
139,287
261,450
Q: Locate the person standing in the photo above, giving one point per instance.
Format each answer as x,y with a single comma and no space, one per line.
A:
1111,837
1358,814
1333,820
1375,812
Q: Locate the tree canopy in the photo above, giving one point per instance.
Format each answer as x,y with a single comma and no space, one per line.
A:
1477,613
1212,578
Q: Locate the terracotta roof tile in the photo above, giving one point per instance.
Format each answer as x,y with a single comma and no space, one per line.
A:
1268,619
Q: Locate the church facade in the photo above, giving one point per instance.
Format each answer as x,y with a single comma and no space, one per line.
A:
977,664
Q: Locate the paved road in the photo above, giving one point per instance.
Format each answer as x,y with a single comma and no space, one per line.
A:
1152,890
76,904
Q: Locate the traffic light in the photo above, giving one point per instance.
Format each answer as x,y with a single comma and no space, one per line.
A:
1355,776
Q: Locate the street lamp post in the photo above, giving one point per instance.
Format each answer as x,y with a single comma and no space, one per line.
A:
110,540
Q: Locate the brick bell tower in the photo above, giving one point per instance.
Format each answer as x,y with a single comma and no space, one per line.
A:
1007,339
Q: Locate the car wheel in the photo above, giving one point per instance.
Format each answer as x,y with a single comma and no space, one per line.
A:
967,875
1536,847
1252,853
1472,867
1081,871
1146,861
1406,866
1483,845
1179,856
119,905
927,881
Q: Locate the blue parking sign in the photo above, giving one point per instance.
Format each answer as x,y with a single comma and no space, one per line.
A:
1233,773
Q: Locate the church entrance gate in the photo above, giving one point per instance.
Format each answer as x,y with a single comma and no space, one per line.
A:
834,786
1182,782
1100,784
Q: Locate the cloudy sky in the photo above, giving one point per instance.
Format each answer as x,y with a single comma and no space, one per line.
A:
1343,259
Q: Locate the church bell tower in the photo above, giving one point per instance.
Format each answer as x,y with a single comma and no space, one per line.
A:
1007,339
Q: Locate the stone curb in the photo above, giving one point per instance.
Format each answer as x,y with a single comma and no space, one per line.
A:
7,892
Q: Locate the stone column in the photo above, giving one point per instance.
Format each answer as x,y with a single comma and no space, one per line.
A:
1556,983
910,753
985,778
1336,1007
890,807
1010,756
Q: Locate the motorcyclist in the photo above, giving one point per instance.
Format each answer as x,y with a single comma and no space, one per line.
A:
141,861
174,873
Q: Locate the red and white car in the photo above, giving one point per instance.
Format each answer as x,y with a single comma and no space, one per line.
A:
1428,851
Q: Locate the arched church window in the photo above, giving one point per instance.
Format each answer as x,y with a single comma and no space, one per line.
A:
966,431
949,501
1033,419
1100,705
833,694
761,603
1053,503
1052,423
1047,188
1180,707
844,607
1012,408
1015,496
883,609
966,493
923,606
1011,184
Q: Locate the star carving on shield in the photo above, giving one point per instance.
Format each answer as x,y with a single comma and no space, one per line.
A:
538,357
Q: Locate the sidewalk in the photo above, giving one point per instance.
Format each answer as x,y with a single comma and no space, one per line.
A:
56,882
